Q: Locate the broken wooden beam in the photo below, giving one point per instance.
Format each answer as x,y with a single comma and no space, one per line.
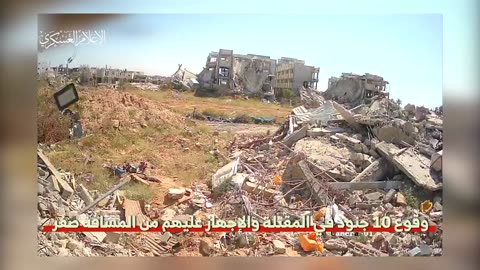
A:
365,185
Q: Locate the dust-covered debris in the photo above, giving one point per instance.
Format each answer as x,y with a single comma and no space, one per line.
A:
333,159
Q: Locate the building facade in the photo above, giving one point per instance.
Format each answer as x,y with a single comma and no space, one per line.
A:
292,74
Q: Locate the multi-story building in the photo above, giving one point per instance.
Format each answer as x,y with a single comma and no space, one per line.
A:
356,89
249,74
219,68
293,74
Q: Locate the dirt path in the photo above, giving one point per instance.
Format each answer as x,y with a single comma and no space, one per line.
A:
242,128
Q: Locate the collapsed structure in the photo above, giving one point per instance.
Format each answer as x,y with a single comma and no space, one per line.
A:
356,89
255,75
329,161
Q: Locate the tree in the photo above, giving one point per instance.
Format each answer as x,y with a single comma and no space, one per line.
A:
399,102
287,93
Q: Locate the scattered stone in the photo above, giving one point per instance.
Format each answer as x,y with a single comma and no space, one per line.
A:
425,250
401,200
374,196
391,239
40,189
389,196
164,238
86,252
377,237
62,252
112,237
437,206
353,200
167,215
206,246
74,245
61,243
414,252
278,247
336,244
175,193
115,123
61,235
436,161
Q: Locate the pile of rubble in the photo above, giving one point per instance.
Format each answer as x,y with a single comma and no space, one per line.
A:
60,197
102,110
327,162
362,165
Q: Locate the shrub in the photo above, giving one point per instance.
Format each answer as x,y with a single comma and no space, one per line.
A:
52,125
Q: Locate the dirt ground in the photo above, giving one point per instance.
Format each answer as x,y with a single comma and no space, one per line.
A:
185,102
238,128
134,125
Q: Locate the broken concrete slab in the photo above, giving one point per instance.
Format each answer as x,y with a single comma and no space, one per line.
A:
295,136
392,134
133,208
84,194
258,189
317,132
66,189
93,236
225,173
365,185
53,183
436,161
347,115
175,193
389,196
278,247
376,171
401,200
319,193
413,165
374,196
425,149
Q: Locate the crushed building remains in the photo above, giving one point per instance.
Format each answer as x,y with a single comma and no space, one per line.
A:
356,89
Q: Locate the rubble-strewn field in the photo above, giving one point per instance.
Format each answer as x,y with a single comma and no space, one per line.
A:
142,157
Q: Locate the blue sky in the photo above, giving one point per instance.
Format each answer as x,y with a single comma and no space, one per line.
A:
406,49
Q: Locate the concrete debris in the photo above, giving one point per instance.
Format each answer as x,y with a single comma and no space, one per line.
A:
436,161
224,174
347,154
413,165
278,247
67,202
175,193
376,171
295,136
401,200
206,246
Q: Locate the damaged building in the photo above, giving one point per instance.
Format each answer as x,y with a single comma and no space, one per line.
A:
292,74
249,74
184,79
356,89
